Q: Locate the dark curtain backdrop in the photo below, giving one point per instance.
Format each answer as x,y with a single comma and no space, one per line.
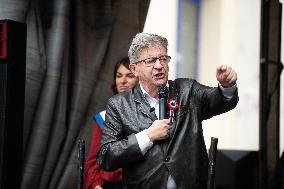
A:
72,46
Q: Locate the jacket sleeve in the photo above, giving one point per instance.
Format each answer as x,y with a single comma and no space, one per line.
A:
94,175
212,102
117,150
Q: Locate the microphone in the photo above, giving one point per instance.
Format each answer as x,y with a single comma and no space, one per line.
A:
162,94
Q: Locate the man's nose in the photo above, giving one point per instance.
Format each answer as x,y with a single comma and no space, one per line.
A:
158,64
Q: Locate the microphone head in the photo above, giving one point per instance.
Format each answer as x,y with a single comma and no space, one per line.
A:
162,91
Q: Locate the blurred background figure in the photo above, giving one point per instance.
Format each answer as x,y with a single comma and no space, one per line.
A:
95,177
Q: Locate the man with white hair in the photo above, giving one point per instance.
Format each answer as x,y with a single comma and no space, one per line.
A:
168,153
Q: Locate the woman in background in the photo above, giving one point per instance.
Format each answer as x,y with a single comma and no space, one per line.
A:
95,177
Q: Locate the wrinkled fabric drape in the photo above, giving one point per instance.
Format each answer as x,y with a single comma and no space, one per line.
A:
72,46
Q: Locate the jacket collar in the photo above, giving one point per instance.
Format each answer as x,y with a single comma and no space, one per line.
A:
143,104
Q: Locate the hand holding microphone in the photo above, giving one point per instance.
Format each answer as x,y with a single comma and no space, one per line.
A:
160,129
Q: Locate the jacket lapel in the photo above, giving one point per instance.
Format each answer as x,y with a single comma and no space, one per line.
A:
142,103
173,94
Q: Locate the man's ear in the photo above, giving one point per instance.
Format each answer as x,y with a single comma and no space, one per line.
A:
133,69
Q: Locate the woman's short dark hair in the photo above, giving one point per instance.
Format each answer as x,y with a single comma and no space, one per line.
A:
125,62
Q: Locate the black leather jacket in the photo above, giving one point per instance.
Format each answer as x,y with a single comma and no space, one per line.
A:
183,155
